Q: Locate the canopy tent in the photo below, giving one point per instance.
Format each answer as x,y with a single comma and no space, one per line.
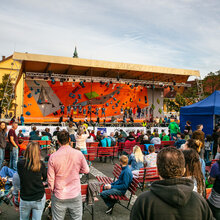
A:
202,112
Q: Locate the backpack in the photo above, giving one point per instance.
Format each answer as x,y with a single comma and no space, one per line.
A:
113,142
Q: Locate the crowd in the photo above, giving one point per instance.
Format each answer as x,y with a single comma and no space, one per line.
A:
181,169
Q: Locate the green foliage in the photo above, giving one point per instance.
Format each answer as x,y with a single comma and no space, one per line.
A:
160,110
211,83
153,106
158,101
176,104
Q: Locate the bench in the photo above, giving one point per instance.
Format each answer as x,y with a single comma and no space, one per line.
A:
167,143
91,153
147,175
132,188
107,152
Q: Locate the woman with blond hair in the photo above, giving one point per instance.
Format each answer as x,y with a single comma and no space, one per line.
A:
81,136
32,172
136,160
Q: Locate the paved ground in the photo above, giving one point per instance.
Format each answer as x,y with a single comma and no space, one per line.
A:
119,213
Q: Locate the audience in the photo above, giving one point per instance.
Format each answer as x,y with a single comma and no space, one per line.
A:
151,158
35,136
81,136
172,197
33,131
145,140
63,178
32,173
118,187
106,141
3,130
179,140
194,170
136,160
155,139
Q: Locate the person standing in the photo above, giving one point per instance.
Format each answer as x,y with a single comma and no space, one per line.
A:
68,110
172,197
22,119
81,136
174,128
3,130
103,111
32,172
64,167
215,137
13,141
62,108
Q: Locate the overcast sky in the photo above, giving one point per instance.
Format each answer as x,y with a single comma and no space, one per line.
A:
170,33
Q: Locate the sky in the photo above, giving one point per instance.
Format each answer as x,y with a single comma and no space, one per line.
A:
180,34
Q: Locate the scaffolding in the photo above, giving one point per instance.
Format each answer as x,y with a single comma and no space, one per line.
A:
199,88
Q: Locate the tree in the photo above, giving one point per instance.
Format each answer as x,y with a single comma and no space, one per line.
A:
211,83
8,92
175,104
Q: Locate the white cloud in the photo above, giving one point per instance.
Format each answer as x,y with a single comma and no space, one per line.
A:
182,34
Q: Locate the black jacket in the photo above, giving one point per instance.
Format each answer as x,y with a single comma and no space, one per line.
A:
171,199
2,139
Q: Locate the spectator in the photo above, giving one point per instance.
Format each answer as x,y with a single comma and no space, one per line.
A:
113,140
214,197
208,147
44,138
61,119
155,139
130,137
32,172
3,130
145,140
22,119
13,142
174,128
50,152
106,141
81,136
217,156
93,134
47,132
165,137
20,135
172,197
215,137
123,133
200,135
151,158
196,145
64,167
121,139
35,137
188,129
12,120
193,170
71,129
33,131
99,136
56,132
180,140
118,187
136,160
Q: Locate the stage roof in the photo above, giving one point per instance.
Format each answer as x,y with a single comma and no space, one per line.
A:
86,67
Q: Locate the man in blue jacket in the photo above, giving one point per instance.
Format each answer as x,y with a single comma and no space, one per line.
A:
118,187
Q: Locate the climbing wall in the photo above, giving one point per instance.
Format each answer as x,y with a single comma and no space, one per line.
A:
44,98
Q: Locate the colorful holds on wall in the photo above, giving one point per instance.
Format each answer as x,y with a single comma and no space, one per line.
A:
116,104
39,101
36,83
53,81
114,99
79,96
72,95
28,113
31,89
118,92
107,104
25,106
76,89
29,95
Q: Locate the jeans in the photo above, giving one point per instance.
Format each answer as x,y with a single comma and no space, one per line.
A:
6,171
105,196
14,158
59,207
36,207
2,156
172,135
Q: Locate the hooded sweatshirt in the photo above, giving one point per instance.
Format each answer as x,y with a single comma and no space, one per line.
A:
171,199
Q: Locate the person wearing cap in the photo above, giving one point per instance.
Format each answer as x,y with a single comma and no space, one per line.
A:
106,142
145,140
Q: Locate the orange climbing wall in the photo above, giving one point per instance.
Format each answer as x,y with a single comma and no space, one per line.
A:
127,97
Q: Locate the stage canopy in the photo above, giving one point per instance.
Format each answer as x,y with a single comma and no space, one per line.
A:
202,112
97,68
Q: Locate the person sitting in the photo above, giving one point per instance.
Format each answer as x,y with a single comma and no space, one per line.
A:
151,158
172,197
113,140
118,187
99,137
130,137
35,136
194,170
155,139
121,139
145,140
165,137
33,131
93,134
179,140
106,141
136,160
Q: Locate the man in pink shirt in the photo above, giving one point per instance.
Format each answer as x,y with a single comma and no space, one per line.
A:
64,167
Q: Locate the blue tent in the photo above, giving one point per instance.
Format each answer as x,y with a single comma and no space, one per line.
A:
203,112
